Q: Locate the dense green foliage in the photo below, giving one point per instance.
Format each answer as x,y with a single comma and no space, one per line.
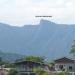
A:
9,65
34,58
1,61
6,64
13,72
73,48
39,71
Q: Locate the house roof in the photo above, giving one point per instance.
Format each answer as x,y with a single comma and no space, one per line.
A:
27,61
64,60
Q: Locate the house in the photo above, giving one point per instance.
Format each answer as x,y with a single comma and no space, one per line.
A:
64,64
26,67
4,71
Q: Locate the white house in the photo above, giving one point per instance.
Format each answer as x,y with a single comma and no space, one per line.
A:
64,64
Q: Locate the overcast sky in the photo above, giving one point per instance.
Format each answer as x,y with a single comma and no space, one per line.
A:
20,12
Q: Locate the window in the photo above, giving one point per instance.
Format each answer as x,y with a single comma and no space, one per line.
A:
56,66
70,68
61,67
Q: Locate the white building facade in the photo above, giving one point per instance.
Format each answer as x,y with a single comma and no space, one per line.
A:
65,64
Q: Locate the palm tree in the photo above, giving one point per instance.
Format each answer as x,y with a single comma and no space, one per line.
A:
73,48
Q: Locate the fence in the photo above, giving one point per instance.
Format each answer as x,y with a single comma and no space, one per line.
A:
71,73
64,73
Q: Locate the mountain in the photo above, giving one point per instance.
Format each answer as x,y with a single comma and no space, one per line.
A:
45,39
10,57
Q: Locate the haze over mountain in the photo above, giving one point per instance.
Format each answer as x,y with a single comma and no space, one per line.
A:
46,39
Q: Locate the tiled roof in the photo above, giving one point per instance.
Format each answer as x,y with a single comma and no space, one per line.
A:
64,59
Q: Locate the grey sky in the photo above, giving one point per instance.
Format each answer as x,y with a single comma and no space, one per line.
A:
20,12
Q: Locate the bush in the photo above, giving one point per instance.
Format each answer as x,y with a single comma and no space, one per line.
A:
13,72
39,71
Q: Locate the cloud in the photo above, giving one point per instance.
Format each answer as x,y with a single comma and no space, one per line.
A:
19,12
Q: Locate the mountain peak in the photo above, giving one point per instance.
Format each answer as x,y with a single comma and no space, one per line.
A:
46,22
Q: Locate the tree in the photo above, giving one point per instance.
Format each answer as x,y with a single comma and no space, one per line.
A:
1,61
34,58
9,65
13,72
40,71
73,48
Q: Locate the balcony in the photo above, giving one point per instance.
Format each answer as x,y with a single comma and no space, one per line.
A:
24,69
